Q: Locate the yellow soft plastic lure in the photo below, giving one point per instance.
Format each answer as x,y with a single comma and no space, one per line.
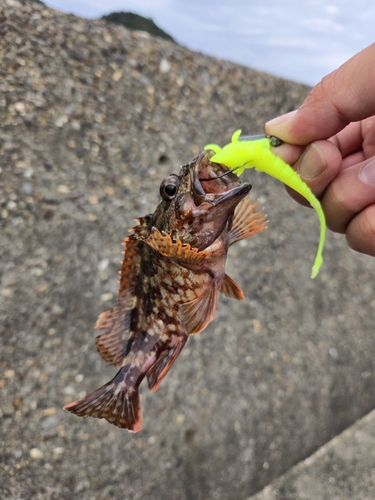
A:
242,154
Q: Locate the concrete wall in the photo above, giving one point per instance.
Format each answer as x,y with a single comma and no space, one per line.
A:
92,118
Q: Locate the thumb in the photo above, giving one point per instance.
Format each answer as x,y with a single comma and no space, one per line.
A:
345,95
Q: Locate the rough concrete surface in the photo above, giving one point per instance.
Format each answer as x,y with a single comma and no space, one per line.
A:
92,118
344,469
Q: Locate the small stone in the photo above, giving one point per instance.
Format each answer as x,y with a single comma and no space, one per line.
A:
93,200
103,264
49,423
36,271
106,296
117,76
126,180
333,353
36,453
41,288
27,188
164,65
48,412
56,309
63,189
20,108
180,419
256,325
28,173
84,484
61,121
75,126
69,391
11,205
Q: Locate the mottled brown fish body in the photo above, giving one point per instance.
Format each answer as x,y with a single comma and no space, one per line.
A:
173,269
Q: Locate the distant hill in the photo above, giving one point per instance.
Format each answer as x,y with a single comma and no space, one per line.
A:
136,22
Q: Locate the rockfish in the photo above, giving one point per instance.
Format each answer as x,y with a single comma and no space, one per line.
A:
173,269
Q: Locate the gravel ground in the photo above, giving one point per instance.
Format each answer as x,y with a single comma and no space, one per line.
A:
92,118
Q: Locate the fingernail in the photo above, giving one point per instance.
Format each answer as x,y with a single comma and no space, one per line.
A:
280,120
312,163
367,173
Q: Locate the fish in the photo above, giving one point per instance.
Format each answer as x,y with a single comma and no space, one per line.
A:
172,272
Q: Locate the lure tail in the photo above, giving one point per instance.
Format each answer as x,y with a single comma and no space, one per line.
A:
115,401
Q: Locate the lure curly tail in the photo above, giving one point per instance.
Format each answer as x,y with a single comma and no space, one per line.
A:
248,154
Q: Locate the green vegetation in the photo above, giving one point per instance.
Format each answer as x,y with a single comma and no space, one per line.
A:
136,22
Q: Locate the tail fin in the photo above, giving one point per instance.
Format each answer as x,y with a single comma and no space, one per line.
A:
118,403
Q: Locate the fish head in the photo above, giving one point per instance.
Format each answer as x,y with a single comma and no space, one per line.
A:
198,203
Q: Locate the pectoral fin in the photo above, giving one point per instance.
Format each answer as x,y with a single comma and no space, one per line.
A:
231,289
195,315
246,222
162,243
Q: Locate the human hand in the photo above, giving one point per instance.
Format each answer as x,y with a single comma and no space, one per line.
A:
331,144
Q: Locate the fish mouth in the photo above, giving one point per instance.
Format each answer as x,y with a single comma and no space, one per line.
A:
216,183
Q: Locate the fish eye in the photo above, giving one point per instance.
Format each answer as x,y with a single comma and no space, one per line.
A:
169,188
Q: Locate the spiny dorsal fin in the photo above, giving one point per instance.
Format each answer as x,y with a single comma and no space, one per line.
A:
195,315
132,254
162,243
231,289
161,367
246,222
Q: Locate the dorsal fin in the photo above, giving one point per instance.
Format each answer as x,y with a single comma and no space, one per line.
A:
112,344
246,222
132,253
231,289
162,243
195,315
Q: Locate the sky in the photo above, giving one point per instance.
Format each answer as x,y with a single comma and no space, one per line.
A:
300,40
